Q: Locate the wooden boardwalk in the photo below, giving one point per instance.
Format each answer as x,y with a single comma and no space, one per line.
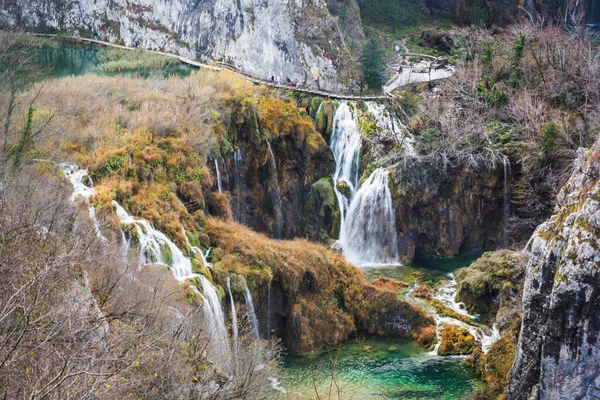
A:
220,66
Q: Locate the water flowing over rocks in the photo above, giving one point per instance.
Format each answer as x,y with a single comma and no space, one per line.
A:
558,354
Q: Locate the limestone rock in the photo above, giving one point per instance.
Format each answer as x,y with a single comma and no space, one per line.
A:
558,355
263,38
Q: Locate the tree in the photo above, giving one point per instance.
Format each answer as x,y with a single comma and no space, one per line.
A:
373,65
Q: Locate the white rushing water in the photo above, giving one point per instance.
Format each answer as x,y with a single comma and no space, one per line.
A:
369,234
252,313
215,320
197,250
277,199
234,324
388,122
154,245
346,144
446,294
368,222
219,185
76,177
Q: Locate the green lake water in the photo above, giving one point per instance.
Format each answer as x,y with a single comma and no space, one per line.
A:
387,368
63,59
380,368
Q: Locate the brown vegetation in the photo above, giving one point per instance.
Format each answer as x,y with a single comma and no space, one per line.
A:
322,299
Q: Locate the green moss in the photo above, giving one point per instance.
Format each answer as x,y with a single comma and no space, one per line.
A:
166,254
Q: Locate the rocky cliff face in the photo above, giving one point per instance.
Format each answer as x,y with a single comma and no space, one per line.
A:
558,354
296,39
449,215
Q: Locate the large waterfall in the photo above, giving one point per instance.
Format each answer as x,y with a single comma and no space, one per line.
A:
369,234
346,143
367,224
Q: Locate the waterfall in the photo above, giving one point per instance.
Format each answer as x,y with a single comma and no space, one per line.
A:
506,198
346,144
234,325
269,310
277,202
153,246
237,159
215,320
252,313
125,244
198,250
446,294
76,175
369,234
218,177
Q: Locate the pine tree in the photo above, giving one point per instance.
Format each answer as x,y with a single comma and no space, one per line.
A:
373,65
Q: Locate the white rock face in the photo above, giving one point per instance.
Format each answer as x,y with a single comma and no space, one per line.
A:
558,355
298,39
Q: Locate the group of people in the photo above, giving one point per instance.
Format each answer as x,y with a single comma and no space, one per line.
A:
288,81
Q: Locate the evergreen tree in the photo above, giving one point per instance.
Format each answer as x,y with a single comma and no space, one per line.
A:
373,65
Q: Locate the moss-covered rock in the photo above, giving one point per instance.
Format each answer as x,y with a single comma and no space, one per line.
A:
324,118
321,215
456,341
494,282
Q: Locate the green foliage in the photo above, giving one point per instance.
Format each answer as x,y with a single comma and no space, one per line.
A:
166,254
390,13
549,137
409,101
373,65
516,74
116,60
25,144
488,92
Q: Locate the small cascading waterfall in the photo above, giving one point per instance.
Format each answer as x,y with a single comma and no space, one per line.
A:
237,160
388,122
152,242
346,144
446,294
269,310
506,198
215,319
198,250
252,313
152,246
277,199
219,185
369,234
76,177
234,324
